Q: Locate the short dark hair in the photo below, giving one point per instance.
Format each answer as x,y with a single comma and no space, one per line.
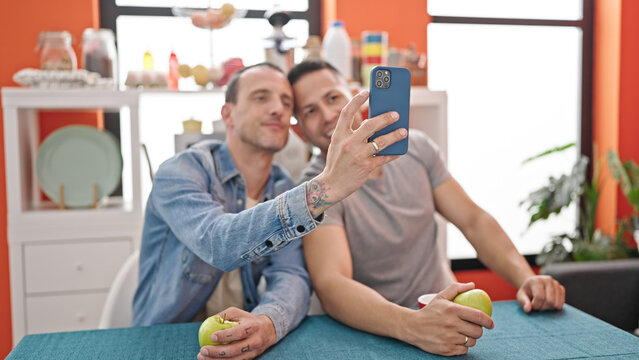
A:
308,66
233,86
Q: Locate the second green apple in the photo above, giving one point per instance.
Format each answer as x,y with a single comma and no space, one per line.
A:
477,299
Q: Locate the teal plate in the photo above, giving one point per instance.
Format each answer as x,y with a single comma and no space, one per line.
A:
78,157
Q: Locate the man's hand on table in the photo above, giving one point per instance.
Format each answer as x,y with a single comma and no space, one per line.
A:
541,292
253,335
442,326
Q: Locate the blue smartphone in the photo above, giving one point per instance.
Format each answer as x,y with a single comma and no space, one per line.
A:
390,91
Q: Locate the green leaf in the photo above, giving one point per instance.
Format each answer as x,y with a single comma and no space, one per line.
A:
633,172
554,251
558,194
588,209
627,175
618,171
548,152
633,198
621,229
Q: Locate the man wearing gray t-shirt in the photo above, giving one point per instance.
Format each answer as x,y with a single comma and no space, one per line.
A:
376,251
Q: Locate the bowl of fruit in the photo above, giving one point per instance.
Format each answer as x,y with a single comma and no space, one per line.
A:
210,18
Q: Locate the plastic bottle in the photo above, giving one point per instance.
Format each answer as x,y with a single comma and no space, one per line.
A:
337,49
173,75
148,60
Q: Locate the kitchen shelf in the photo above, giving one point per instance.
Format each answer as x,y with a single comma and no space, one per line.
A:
73,253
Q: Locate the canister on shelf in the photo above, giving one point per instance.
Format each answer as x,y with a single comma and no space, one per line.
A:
99,54
374,52
313,48
57,53
356,57
192,125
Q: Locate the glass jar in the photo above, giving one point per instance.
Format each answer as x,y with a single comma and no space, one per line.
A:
99,54
57,53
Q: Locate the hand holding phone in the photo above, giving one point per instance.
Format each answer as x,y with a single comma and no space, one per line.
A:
390,91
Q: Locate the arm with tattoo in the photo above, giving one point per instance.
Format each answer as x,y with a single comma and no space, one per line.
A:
350,158
317,198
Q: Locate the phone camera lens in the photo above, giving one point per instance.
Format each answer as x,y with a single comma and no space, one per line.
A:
379,83
378,73
386,79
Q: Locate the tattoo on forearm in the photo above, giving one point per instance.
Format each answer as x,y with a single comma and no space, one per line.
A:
316,197
246,348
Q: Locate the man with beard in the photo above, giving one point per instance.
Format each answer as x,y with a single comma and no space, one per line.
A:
376,251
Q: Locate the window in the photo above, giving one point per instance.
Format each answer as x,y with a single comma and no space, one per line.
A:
518,78
290,5
242,38
508,9
149,25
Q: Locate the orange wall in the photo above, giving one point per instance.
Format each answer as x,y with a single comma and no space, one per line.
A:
20,23
616,90
628,92
606,75
51,121
496,287
404,21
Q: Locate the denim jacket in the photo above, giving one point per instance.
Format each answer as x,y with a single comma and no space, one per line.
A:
195,229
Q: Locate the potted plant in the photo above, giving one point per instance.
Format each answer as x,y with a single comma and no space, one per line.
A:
589,284
585,242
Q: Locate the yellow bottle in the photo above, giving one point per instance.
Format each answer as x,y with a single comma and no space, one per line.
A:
148,61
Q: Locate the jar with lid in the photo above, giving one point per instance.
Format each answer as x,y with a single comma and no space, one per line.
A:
57,53
99,54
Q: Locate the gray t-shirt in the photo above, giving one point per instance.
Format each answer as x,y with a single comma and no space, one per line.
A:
390,224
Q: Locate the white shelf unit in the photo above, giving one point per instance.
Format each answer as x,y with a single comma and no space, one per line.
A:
429,113
63,261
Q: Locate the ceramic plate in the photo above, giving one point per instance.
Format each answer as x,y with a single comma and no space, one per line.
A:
78,157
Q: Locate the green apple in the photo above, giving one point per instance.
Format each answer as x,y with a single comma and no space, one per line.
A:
211,325
477,299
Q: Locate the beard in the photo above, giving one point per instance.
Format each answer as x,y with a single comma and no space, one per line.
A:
262,138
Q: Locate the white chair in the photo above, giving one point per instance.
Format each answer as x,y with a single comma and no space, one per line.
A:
316,306
118,307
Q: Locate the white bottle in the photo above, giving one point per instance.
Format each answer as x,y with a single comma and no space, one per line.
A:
337,49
